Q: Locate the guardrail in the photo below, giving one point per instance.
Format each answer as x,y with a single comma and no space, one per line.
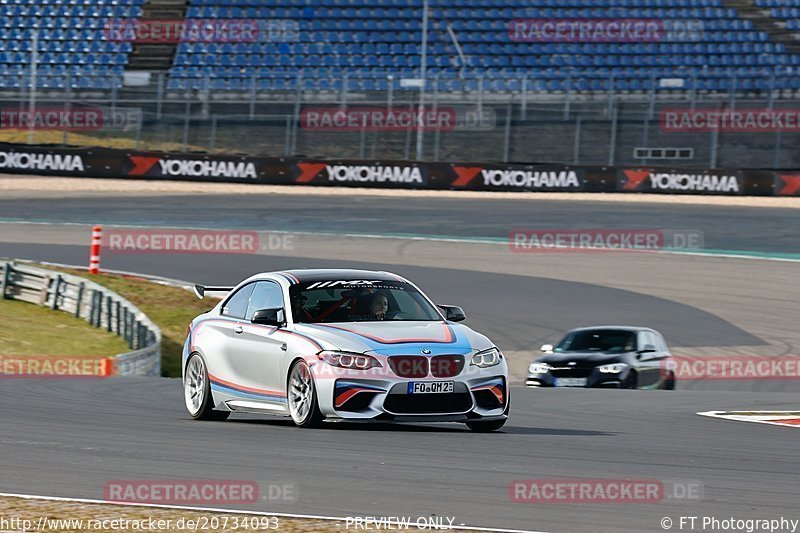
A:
94,303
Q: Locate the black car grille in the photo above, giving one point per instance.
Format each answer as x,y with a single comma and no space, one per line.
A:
447,366
409,366
418,366
398,402
571,372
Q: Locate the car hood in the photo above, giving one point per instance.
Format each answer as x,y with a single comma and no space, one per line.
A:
583,358
387,337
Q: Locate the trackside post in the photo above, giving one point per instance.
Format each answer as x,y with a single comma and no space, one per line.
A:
94,252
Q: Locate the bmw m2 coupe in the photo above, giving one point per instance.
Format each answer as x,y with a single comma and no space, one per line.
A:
328,345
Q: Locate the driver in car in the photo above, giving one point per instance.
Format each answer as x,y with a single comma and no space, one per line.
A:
379,306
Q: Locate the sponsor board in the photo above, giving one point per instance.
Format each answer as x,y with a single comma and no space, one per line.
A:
787,184
45,162
527,178
676,181
185,167
396,174
365,174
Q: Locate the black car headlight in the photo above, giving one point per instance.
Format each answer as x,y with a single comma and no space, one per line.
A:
487,358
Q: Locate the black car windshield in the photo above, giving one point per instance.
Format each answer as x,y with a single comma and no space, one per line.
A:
598,340
359,301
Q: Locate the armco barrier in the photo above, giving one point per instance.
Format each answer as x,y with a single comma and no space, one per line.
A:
479,176
97,305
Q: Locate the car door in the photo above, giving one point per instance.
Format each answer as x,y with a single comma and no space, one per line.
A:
260,348
226,368
649,363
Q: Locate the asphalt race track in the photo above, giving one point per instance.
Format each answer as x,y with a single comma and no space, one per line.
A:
69,438
726,228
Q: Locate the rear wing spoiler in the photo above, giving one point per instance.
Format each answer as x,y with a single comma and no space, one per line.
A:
200,290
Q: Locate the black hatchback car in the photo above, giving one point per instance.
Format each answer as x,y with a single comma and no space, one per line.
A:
619,357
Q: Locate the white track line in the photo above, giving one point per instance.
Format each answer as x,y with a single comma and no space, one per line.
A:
231,511
760,417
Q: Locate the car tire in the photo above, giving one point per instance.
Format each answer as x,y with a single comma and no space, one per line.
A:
197,391
669,384
632,381
301,395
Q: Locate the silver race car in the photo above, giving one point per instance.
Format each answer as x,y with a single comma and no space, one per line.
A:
341,345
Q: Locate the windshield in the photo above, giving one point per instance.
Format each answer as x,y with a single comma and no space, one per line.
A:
598,340
359,301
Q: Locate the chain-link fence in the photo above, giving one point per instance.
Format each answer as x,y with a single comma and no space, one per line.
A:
469,121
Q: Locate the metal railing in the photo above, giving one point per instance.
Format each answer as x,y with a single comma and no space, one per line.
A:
529,124
94,303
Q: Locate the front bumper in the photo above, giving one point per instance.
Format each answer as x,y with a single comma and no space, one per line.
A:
593,379
475,396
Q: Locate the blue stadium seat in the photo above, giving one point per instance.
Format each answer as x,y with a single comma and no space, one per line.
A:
369,40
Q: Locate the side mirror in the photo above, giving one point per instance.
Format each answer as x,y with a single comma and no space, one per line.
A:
269,317
648,348
453,313
548,348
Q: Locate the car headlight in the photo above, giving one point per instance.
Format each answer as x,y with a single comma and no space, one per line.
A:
353,361
487,358
613,368
539,368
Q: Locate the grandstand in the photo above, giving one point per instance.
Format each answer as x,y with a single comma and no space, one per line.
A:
363,45
376,43
71,43
549,99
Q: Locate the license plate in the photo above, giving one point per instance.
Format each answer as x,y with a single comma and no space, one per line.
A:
431,387
570,382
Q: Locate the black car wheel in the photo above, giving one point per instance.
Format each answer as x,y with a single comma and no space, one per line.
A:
632,381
